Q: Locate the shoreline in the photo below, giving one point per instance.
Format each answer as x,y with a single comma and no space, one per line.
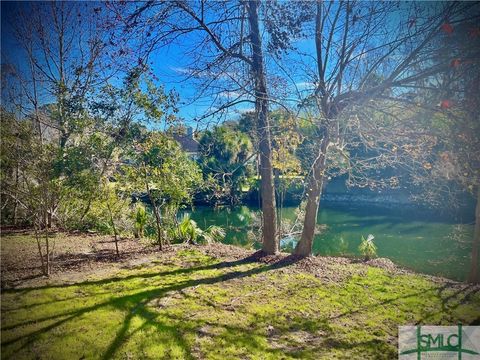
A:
85,252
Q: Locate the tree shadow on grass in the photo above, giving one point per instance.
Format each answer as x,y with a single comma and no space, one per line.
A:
451,301
185,270
135,304
449,295
181,271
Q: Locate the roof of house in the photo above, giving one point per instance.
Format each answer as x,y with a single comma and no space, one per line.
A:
187,142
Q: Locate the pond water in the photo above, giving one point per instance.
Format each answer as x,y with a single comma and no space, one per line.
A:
422,241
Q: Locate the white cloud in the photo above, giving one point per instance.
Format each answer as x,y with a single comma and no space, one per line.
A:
305,85
182,70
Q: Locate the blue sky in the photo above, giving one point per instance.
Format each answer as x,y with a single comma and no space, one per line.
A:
170,65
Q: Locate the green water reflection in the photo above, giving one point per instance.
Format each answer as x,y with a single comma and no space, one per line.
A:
422,241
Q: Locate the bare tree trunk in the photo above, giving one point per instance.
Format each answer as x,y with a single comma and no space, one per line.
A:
474,276
44,270
280,197
115,234
47,243
116,243
158,220
49,219
15,203
270,241
314,192
276,182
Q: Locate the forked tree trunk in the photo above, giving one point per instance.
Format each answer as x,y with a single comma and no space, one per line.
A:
315,184
314,192
158,222
115,234
267,190
474,276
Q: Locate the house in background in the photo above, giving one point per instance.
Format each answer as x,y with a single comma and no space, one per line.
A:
188,142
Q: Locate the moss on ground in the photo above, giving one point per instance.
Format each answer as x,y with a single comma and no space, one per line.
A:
192,306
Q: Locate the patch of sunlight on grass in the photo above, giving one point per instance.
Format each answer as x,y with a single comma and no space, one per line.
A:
199,307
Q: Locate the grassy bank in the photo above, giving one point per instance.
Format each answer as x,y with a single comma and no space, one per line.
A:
199,303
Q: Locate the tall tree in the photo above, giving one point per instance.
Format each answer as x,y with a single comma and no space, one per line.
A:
366,54
60,48
227,65
58,68
270,241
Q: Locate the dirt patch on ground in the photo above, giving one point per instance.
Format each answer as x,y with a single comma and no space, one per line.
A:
77,256
71,254
326,268
226,252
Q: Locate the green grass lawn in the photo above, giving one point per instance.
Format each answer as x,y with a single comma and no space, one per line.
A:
191,306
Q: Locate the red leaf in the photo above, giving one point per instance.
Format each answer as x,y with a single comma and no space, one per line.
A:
446,104
455,63
447,28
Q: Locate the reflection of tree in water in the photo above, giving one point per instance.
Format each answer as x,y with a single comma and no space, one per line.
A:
249,226
247,230
461,234
331,244
342,245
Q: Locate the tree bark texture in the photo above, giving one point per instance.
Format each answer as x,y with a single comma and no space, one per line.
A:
267,190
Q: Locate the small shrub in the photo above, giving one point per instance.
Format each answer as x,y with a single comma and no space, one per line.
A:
212,234
141,218
188,231
367,248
